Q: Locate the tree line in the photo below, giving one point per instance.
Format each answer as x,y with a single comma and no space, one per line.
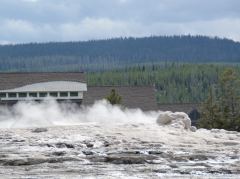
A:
97,55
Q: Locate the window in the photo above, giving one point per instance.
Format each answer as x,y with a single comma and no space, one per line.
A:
43,95
33,95
53,94
3,95
73,94
64,94
22,95
12,95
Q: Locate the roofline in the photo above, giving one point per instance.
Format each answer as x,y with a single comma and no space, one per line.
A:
84,82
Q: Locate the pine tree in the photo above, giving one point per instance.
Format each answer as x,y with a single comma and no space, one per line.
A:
229,100
114,98
222,108
209,112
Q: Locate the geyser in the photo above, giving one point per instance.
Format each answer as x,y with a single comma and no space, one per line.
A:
50,113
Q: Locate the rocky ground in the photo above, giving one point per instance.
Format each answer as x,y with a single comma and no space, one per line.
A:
94,150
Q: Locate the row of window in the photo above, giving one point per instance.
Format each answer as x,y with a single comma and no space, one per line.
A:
41,94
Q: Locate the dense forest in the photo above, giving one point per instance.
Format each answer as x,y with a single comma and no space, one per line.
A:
174,82
100,55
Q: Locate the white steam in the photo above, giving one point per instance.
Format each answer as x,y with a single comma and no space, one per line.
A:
50,113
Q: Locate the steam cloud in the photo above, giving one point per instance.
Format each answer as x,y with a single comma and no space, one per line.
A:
50,113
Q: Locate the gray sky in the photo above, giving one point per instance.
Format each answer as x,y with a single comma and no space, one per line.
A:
23,21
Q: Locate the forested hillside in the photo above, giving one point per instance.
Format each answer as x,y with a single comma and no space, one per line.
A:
114,53
175,83
178,66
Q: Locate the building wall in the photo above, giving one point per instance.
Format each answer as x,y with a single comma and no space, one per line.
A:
49,95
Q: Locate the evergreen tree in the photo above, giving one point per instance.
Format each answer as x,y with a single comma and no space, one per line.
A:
229,100
209,113
114,97
222,108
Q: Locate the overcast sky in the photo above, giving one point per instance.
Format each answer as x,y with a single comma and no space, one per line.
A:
23,21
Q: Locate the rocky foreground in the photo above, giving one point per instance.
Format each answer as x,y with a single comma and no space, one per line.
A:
94,150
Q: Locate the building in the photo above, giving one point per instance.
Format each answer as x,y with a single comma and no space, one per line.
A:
15,87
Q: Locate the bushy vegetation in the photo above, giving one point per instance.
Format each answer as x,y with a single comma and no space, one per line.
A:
114,98
174,82
222,108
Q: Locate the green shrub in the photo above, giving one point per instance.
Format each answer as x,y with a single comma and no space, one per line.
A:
114,97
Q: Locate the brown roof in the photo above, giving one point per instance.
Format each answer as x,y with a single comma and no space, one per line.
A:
14,80
132,97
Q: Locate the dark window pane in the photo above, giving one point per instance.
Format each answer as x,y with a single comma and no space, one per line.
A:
33,95
53,94
73,94
22,95
3,95
64,94
43,95
12,95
